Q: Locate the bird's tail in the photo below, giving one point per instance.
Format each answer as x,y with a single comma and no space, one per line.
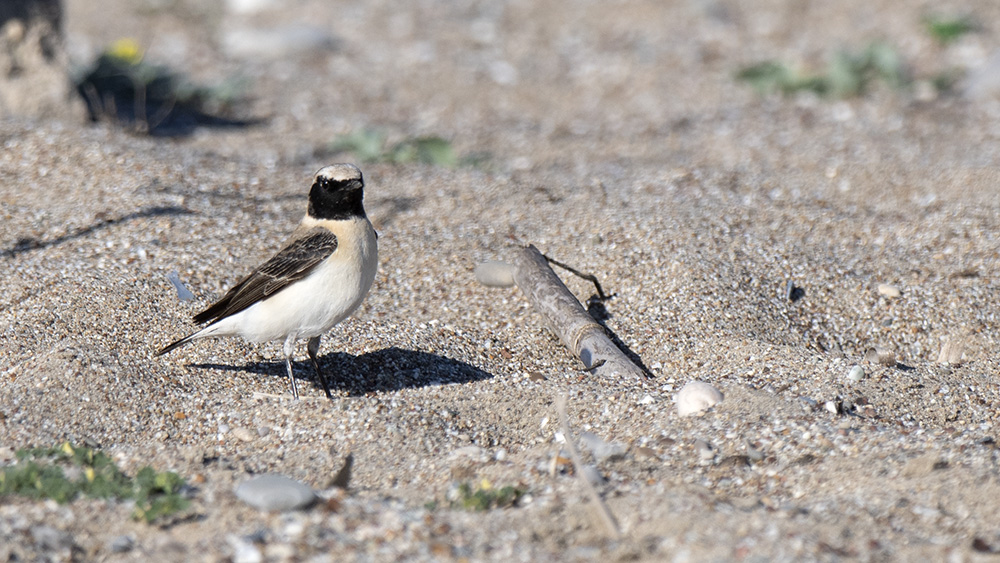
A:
170,347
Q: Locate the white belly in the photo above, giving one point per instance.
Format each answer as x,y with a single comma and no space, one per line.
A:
313,305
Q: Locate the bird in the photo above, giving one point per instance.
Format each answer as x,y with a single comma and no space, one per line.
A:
317,279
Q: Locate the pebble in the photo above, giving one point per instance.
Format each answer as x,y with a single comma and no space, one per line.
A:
275,493
695,397
243,434
705,451
495,274
889,291
51,539
601,449
121,544
244,551
856,374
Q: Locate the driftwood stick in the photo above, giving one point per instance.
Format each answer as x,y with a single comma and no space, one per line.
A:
566,316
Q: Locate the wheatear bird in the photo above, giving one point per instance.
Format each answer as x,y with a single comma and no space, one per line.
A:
317,280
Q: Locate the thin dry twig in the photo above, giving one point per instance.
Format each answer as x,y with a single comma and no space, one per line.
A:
589,277
606,516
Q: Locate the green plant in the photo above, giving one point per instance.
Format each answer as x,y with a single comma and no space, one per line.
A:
847,74
772,76
369,145
945,29
486,497
41,473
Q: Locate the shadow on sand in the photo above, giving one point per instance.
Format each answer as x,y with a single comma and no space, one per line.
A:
390,369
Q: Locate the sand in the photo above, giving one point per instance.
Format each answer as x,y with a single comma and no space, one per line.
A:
614,137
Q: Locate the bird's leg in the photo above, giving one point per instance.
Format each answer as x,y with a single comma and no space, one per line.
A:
289,350
313,347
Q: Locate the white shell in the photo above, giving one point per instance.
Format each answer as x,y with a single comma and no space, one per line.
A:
889,291
695,397
856,374
495,274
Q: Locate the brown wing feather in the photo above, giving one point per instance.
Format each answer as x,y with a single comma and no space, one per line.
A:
292,263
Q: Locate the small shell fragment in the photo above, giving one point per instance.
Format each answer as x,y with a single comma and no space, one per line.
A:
951,352
856,374
183,293
493,273
881,356
889,291
695,397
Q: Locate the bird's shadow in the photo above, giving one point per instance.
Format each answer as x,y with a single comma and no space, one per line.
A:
389,369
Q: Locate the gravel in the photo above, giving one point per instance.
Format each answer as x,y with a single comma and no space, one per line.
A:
616,140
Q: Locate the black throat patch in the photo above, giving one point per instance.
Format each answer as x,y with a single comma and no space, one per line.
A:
337,199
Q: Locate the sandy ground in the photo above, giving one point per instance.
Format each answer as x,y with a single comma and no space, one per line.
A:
618,141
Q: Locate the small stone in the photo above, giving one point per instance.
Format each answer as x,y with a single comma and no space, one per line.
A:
243,434
705,451
244,551
121,544
51,539
889,291
856,374
275,493
495,274
601,449
642,452
695,397
647,400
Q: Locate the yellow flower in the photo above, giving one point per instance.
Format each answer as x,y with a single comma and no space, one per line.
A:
126,50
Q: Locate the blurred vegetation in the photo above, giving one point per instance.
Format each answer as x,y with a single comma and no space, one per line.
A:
66,472
853,73
947,29
370,146
486,497
120,87
847,74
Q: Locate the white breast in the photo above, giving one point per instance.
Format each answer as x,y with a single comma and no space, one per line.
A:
313,305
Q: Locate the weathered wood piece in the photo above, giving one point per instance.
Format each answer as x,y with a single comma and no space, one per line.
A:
577,330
